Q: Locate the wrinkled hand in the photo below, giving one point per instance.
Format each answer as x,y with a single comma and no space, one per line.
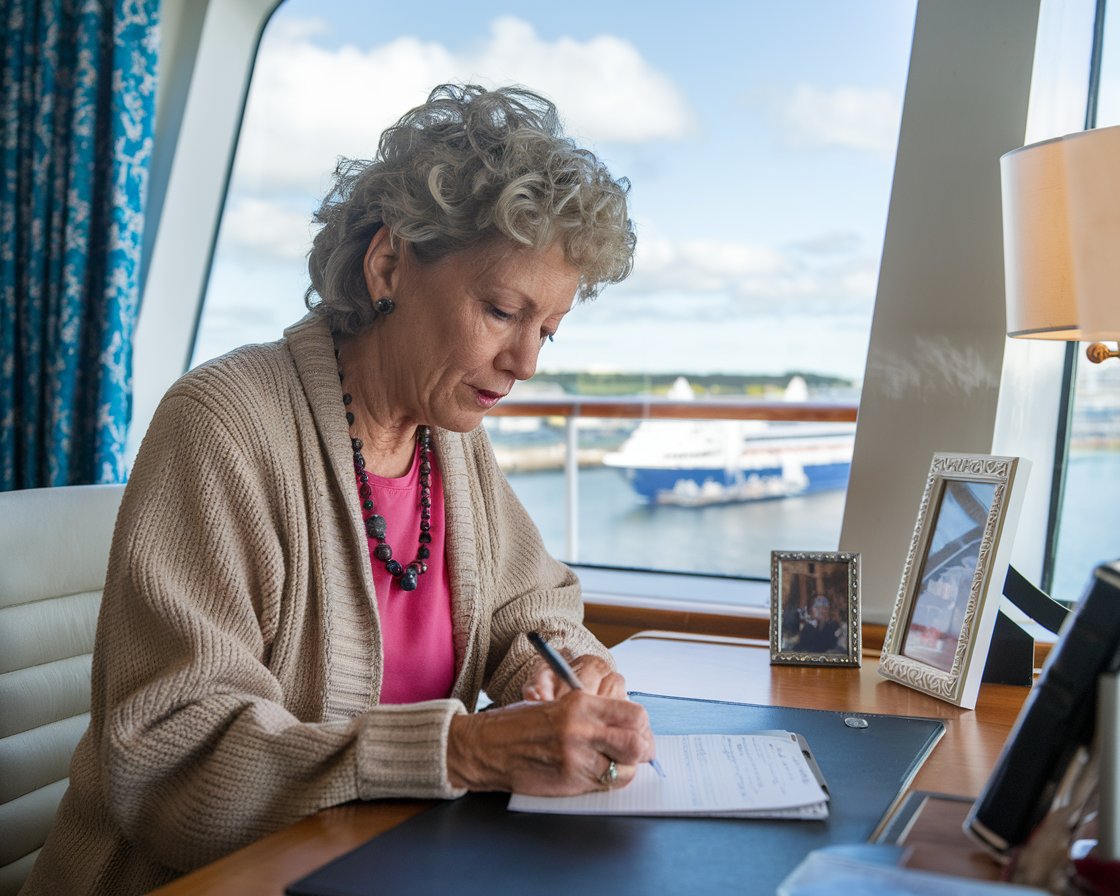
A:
593,672
556,748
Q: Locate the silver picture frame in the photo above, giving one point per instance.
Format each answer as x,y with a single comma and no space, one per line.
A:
941,626
815,609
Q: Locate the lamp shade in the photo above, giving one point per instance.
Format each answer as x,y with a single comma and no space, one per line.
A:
1061,237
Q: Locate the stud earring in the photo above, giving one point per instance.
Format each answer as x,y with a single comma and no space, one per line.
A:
384,305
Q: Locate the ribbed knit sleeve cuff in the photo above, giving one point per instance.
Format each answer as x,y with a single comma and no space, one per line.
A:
402,751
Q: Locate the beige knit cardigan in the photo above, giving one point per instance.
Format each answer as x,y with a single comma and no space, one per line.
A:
237,665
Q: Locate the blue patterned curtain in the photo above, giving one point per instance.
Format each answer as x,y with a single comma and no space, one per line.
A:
78,100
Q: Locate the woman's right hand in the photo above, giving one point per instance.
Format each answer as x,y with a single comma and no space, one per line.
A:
557,748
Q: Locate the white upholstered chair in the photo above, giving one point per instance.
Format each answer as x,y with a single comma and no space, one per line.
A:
54,547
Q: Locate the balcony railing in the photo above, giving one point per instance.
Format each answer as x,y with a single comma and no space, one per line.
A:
571,408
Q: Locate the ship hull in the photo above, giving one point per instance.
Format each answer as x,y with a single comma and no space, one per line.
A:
718,485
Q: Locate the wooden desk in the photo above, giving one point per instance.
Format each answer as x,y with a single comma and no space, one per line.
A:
689,666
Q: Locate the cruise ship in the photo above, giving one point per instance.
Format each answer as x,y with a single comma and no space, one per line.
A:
720,461
695,463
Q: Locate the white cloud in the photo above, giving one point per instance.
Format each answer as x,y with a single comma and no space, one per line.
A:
747,277
703,334
286,30
836,242
687,278
667,265
852,117
267,229
603,87
308,105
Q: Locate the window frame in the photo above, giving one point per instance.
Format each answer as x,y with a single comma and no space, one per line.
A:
199,116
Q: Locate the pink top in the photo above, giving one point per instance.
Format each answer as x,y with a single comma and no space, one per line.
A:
418,654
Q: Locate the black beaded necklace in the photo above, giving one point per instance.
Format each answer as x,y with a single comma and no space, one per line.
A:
406,576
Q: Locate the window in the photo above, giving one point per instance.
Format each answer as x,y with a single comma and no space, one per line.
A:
1089,518
760,141
1090,515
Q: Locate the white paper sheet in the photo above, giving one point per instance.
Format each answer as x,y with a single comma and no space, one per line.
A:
733,775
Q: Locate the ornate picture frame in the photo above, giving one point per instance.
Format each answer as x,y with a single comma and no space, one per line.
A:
941,627
814,608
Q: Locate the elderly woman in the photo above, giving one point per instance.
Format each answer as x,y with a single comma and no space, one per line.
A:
318,564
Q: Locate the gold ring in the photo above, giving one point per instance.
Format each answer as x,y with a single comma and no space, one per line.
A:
610,777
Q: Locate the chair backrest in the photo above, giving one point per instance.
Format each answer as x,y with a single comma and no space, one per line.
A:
54,548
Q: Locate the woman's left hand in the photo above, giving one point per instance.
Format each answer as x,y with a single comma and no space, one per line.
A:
593,672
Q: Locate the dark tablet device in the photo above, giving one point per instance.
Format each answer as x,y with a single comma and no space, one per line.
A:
1057,720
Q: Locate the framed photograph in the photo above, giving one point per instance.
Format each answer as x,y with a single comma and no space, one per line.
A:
941,627
814,608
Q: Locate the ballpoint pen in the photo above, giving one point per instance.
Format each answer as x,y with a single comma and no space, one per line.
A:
560,667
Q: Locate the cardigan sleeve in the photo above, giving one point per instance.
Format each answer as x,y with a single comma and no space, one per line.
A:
209,680
533,591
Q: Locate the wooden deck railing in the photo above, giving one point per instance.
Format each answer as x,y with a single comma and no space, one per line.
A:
668,409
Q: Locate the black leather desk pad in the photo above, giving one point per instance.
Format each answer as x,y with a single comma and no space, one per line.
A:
475,846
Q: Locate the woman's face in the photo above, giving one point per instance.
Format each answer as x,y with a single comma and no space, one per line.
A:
466,327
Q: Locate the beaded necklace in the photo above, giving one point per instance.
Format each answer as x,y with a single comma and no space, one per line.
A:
406,576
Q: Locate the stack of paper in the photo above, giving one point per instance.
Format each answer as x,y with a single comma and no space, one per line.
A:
764,775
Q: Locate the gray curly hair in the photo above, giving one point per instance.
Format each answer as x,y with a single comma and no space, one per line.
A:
469,167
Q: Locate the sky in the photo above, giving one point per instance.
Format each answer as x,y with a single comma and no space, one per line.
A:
758,138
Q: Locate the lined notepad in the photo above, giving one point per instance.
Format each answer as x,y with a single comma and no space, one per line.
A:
729,775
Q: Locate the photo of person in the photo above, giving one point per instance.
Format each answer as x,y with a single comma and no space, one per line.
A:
948,573
814,601
818,631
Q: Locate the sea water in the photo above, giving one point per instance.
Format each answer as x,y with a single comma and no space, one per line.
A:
617,529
